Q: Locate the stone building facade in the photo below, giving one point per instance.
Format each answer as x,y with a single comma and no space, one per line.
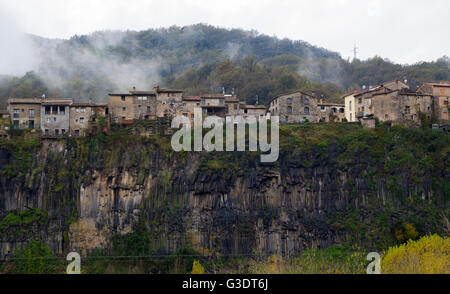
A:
84,116
25,112
401,106
295,107
441,94
331,112
55,116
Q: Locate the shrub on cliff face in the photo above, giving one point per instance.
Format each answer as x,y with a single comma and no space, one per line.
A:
428,255
405,232
34,258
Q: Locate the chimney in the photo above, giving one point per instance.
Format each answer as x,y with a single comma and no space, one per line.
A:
134,88
156,88
321,101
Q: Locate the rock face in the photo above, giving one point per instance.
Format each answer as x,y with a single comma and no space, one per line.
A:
281,208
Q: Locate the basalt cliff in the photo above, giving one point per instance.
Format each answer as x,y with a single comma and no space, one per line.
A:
331,185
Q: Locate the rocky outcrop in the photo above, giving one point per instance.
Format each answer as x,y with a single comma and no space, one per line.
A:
305,200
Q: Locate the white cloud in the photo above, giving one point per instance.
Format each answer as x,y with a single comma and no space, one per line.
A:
403,31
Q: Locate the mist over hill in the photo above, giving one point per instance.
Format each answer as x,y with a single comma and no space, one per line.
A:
197,58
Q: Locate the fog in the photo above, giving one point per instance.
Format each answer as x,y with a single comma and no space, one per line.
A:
17,54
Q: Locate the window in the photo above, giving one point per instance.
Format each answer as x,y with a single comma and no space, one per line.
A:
77,132
407,110
16,113
192,115
77,110
235,106
289,109
386,116
149,108
48,110
31,124
62,110
198,104
185,115
322,107
139,98
54,109
341,110
306,101
31,113
306,110
54,119
359,100
350,116
220,101
63,131
81,120
122,98
124,109
289,100
139,106
350,105
83,110
334,109
47,131
49,120
144,98
203,102
56,132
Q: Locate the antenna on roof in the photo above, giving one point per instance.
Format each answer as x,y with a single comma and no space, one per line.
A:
257,100
223,90
232,91
355,52
43,96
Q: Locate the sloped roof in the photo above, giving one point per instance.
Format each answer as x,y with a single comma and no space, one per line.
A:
25,100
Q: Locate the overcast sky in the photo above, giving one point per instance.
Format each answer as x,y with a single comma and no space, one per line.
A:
403,31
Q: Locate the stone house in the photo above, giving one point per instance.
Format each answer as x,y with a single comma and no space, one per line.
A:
233,105
294,108
358,104
136,105
258,111
4,113
25,112
145,105
85,116
214,104
330,112
402,106
55,116
441,97
189,103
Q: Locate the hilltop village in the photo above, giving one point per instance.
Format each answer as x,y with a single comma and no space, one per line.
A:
392,101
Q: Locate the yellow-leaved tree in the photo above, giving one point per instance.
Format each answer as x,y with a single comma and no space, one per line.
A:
428,255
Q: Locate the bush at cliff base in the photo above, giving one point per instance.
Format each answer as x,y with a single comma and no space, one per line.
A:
197,268
428,255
